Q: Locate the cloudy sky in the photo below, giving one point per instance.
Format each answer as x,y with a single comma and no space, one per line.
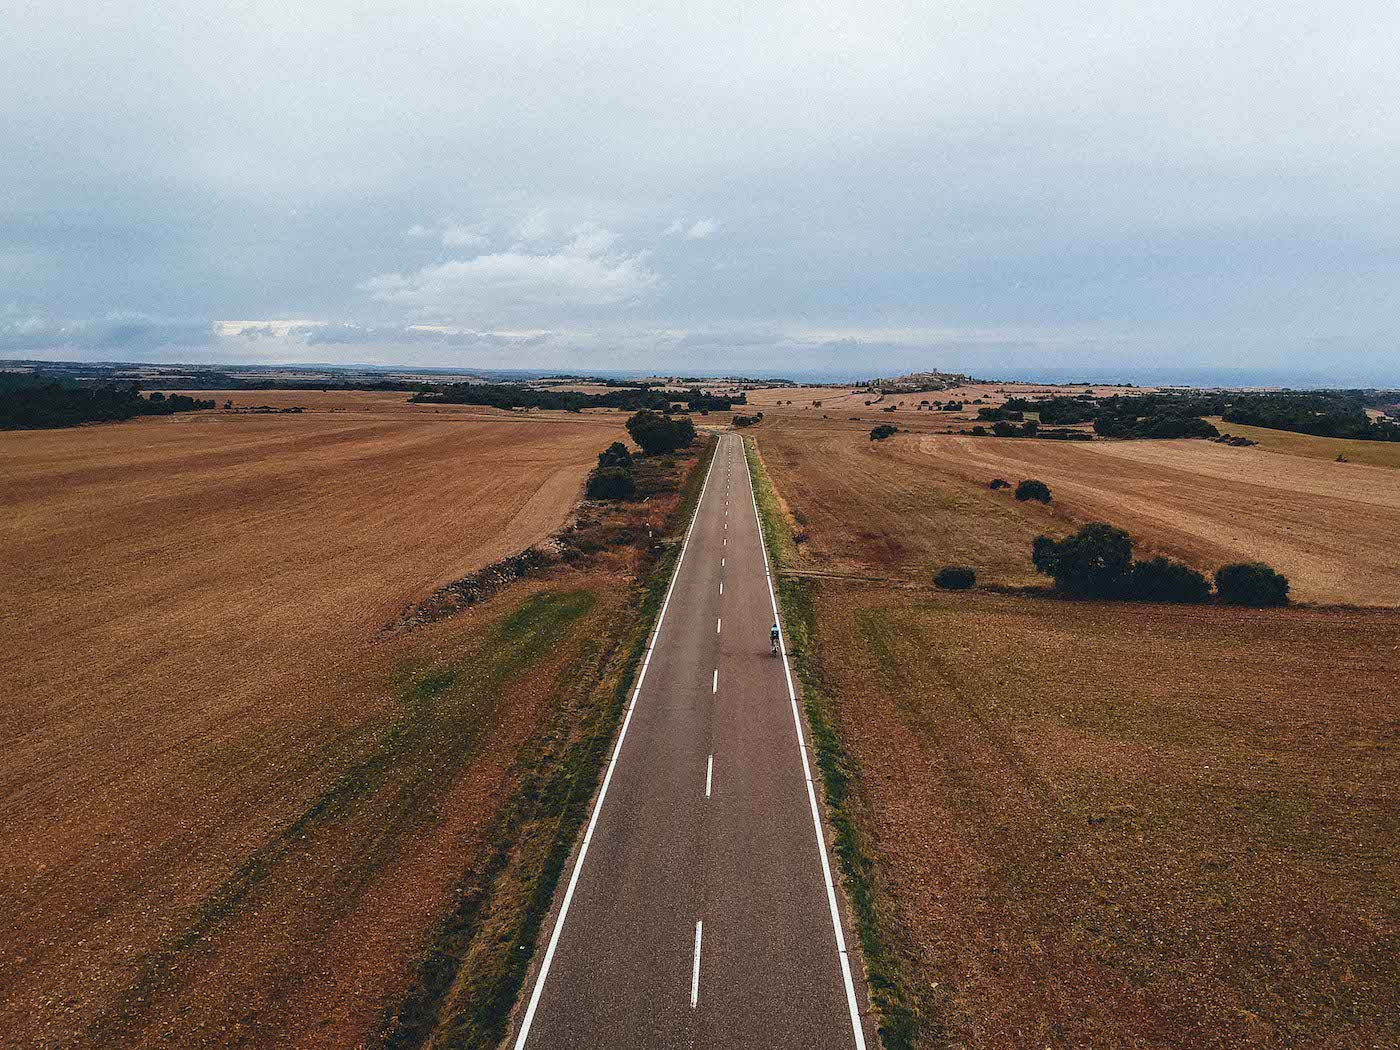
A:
983,185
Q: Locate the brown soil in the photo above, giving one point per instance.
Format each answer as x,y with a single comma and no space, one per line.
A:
195,605
1128,826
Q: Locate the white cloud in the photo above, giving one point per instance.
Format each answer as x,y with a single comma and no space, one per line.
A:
582,272
693,231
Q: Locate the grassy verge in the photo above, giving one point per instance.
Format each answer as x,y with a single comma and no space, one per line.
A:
479,954
898,1022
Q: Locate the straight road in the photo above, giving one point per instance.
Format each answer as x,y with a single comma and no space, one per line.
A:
699,910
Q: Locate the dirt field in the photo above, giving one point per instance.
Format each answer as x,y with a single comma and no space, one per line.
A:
1330,527
1098,824
1128,826
199,697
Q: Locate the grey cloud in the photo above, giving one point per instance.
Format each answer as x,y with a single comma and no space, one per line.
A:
1191,178
115,333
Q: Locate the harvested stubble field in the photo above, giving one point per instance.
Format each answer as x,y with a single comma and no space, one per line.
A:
1368,453
1330,527
1096,824
232,805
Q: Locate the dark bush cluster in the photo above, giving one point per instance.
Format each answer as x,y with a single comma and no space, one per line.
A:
1032,489
955,578
747,421
1251,583
1163,580
1097,562
884,430
611,483
655,433
999,483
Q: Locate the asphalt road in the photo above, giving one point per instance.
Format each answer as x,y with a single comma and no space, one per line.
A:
698,910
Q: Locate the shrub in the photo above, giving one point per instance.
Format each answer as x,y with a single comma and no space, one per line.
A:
1164,580
610,483
999,483
1032,489
615,455
1251,583
883,431
657,433
1093,563
979,431
955,578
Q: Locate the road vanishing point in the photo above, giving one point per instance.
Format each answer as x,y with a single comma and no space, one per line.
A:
699,908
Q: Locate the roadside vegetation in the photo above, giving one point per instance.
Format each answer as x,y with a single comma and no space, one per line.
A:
885,975
472,967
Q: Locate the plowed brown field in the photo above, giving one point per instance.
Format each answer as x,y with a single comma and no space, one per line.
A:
1100,824
191,624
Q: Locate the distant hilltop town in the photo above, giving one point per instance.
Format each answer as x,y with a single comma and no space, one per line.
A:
916,381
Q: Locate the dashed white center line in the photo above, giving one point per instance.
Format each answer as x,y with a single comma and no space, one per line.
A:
714,686
721,563
709,775
695,970
721,586
718,620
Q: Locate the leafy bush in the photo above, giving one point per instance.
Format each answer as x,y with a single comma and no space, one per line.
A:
999,483
610,483
1032,489
658,433
1251,583
1093,563
615,455
955,578
1164,580
883,431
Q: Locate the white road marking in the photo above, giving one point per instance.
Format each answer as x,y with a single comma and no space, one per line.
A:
529,1017
695,970
841,951
718,620
709,775
721,586
714,688
721,563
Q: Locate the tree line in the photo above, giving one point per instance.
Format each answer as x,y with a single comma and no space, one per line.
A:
27,403
632,399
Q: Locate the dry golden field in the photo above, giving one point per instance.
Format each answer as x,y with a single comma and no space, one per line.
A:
1368,453
1107,824
1330,527
196,786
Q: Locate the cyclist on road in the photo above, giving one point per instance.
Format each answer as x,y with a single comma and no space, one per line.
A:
773,639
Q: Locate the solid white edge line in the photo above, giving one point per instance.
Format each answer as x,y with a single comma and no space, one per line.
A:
529,1017
843,956
709,775
695,969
